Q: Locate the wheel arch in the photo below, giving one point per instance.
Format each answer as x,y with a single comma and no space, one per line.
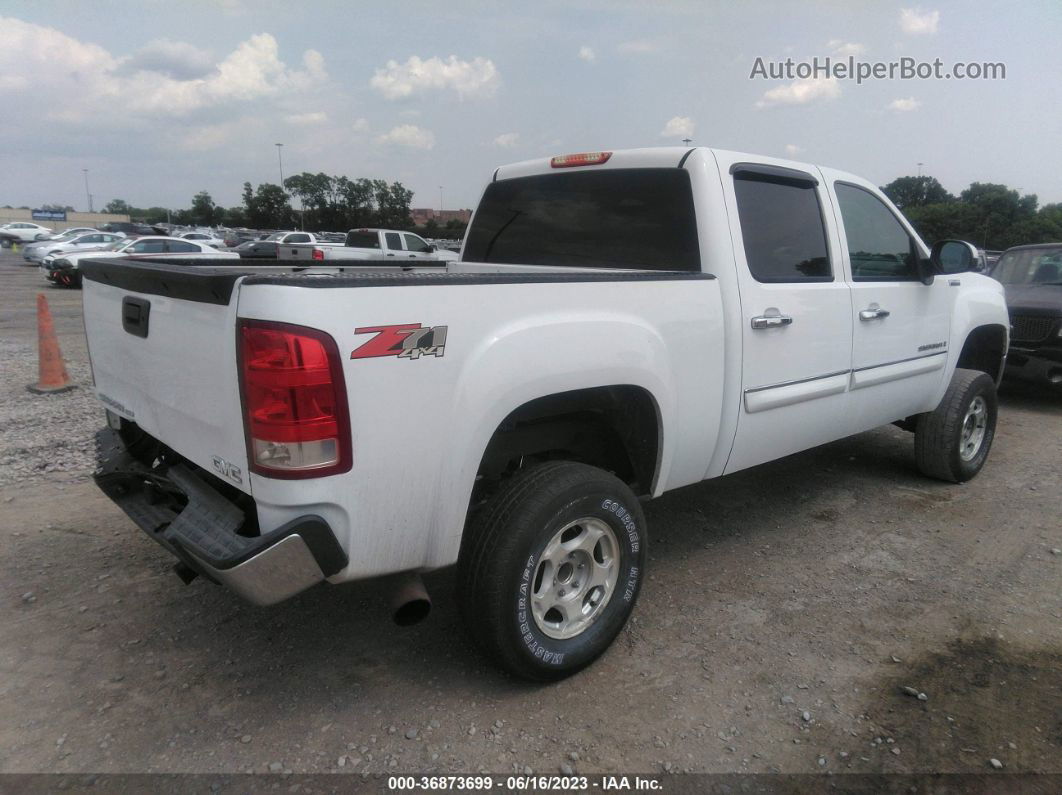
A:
616,427
985,349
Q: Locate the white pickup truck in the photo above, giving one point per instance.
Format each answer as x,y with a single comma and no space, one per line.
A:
368,244
621,324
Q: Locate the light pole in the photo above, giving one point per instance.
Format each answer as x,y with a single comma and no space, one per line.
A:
687,141
920,170
89,195
440,201
280,164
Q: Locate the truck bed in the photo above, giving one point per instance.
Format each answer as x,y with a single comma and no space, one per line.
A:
163,346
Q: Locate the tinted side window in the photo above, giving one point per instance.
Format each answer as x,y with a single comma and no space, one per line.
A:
180,246
393,241
781,224
879,247
616,218
149,247
414,243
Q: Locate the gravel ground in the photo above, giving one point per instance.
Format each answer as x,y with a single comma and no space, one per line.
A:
789,613
44,433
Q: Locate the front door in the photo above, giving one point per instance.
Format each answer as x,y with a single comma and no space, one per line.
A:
900,345
796,312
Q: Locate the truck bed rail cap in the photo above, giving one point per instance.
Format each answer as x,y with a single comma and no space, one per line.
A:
188,279
378,279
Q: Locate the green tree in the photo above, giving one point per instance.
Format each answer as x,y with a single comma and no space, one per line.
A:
119,207
204,212
907,192
271,207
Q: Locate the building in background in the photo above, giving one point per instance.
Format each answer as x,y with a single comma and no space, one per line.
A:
67,220
421,216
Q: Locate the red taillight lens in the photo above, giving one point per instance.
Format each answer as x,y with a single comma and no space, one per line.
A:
582,159
318,253
294,401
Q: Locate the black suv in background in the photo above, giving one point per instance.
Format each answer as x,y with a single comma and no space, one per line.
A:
1032,277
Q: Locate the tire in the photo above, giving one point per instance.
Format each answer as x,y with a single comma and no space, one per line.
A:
952,441
521,561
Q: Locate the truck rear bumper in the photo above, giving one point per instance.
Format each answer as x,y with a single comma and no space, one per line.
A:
204,533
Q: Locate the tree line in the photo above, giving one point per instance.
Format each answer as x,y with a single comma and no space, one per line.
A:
989,215
324,202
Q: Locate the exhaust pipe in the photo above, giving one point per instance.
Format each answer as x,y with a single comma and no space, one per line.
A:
410,602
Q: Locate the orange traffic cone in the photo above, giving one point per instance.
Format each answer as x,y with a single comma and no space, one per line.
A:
52,375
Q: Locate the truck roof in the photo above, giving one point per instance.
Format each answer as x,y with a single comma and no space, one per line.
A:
651,157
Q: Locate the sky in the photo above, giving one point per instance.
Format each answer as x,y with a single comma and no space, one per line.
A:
160,100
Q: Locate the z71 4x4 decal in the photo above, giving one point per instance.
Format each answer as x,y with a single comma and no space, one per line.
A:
406,341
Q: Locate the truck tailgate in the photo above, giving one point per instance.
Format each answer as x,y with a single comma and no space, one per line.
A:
163,354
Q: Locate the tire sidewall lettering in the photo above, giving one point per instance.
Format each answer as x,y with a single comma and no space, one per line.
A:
555,652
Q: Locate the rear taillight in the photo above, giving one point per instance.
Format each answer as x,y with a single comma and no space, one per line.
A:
581,159
318,253
294,401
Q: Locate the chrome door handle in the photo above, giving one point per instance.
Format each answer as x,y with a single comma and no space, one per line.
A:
771,321
873,314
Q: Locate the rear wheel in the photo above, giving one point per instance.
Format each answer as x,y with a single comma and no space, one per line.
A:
552,567
952,442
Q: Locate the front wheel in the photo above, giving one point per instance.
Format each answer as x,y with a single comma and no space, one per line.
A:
953,440
552,567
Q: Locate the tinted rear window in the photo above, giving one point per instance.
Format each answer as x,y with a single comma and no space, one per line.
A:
363,240
623,218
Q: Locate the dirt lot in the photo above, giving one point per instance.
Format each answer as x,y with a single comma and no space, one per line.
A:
785,609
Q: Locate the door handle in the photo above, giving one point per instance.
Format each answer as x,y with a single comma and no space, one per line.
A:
873,314
771,321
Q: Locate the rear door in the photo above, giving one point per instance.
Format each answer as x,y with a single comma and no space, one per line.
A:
796,311
168,364
901,326
393,244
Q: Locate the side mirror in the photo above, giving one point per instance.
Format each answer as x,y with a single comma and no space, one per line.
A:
431,249
953,256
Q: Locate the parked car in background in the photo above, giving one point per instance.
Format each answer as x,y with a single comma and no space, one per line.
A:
38,252
236,237
129,229
23,232
64,269
367,244
1032,278
207,238
257,248
31,251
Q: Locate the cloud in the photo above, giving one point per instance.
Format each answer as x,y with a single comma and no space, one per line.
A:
678,127
846,48
800,92
637,47
587,54
306,119
915,21
177,59
904,105
72,88
409,136
360,126
793,150
468,79
507,140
